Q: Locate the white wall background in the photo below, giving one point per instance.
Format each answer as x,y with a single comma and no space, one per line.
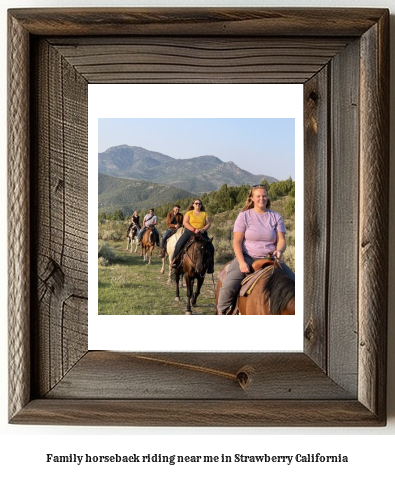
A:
24,448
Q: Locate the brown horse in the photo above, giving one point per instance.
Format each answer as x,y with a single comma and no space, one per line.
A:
273,293
148,242
194,265
132,238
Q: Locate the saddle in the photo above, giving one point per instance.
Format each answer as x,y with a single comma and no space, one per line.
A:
249,282
260,267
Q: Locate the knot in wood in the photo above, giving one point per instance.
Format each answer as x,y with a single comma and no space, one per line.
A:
244,376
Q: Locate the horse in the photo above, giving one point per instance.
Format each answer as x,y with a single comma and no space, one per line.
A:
272,294
133,238
148,241
193,266
169,250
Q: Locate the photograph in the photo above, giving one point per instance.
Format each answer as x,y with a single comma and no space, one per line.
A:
196,214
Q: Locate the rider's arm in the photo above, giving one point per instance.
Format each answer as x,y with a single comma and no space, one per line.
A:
281,245
206,226
168,221
238,238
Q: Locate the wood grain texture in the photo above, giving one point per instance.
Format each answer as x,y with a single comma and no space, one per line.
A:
316,206
283,376
373,234
18,218
61,204
188,60
331,22
202,413
343,219
340,377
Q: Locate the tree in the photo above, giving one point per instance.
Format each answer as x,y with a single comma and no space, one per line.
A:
265,184
118,215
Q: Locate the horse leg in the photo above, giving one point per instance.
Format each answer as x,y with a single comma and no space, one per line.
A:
167,258
197,292
189,282
177,276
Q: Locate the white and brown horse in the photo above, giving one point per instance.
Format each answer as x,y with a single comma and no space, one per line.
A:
169,251
133,239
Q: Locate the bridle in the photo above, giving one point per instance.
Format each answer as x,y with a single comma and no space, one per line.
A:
193,260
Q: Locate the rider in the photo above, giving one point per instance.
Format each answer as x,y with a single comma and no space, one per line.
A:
258,232
174,220
149,220
134,221
195,221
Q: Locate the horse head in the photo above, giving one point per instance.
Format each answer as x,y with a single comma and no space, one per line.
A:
281,290
201,253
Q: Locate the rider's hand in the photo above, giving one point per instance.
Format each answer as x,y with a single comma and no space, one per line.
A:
244,267
277,254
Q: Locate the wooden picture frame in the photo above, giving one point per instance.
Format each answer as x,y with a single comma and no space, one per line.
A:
342,58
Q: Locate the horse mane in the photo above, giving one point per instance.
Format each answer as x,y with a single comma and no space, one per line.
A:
280,289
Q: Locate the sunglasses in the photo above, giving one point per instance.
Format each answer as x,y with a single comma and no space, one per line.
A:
198,203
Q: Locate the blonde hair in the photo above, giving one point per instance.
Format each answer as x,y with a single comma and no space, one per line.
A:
249,204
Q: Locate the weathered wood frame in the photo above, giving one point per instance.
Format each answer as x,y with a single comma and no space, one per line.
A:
342,58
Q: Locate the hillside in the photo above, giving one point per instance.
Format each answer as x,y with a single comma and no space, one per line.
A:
197,175
130,194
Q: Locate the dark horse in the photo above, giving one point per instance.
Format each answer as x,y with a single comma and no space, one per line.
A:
148,242
194,265
273,293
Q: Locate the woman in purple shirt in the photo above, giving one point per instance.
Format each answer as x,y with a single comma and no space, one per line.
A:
258,232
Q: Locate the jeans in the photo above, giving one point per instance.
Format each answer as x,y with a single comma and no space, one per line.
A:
165,236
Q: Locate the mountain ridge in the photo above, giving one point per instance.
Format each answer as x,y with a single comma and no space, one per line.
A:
128,195
197,175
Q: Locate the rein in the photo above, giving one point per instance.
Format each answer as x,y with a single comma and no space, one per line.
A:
192,260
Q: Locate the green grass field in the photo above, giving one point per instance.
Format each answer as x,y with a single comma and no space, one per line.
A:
128,286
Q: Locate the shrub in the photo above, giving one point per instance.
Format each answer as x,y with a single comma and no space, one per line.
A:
112,231
106,254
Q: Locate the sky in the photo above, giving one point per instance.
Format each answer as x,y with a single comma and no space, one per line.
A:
258,145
